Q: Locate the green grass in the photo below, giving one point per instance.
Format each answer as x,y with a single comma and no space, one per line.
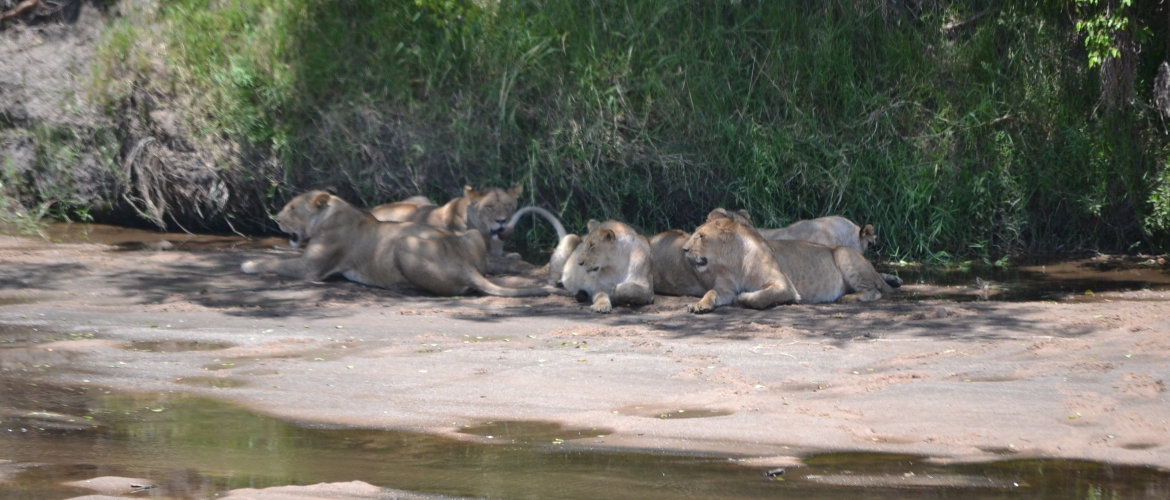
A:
977,143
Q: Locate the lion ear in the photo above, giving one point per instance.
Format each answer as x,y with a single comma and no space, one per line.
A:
607,235
868,233
472,193
320,201
516,191
592,224
718,213
744,218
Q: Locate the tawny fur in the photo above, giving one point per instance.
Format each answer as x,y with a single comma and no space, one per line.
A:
340,239
610,265
673,273
485,211
832,231
736,265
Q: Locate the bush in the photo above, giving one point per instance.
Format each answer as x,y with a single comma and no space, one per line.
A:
977,139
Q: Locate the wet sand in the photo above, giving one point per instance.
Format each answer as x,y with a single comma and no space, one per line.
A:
958,381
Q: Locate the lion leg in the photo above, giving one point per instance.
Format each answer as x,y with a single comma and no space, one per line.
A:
506,264
289,268
496,246
712,299
633,293
865,282
601,303
705,304
556,263
859,297
893,281
776,292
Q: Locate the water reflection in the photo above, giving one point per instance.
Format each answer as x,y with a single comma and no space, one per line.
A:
1075,280
194,448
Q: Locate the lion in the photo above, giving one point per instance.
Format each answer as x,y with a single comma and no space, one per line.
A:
491,212
736,264
674,276
611,264
486,211
339,238
831,231
673,273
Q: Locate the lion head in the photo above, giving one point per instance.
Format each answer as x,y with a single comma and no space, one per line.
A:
490,209
598,247
300,215
715,242
867,236
740,216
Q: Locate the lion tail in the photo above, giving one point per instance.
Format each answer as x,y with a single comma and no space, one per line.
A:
552,219
486,287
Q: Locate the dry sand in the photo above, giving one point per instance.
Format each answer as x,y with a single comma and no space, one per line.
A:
956,381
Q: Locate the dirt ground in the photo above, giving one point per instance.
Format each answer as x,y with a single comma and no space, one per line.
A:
960,381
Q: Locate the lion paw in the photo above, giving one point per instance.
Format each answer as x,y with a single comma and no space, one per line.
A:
601,304
700,308
602,307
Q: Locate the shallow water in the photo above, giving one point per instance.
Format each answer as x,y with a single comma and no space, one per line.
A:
192,447
24,335
175,346
129,239
1069,280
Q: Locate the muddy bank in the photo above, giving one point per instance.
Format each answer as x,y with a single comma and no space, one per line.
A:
59,151
956,381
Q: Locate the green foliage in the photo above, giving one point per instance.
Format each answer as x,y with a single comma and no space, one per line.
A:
977,140
1159,219
1101,22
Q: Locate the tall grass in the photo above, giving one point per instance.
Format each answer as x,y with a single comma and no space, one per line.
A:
976,142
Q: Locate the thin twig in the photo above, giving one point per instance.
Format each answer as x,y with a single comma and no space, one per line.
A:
20,8
954,26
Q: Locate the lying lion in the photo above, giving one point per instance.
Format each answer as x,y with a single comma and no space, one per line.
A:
491,212
673,273
675,276
340,239
735,264
612,264
486,211
831,231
